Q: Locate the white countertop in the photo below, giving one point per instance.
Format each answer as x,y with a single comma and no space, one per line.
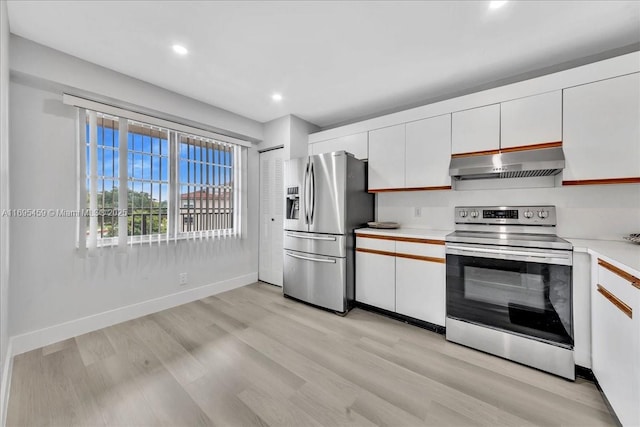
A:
418,233
621,253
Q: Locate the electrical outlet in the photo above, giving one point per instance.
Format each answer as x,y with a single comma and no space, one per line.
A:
183,279
417,212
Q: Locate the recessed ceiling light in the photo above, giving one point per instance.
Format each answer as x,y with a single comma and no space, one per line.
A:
180,50
276,97
497,4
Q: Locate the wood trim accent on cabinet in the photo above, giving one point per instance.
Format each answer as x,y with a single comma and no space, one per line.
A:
604,181
540,146
620,272
421,258
401,239
626,309
475,153
392,190
375,251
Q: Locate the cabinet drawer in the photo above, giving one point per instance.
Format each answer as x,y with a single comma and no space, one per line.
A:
375,244
420,249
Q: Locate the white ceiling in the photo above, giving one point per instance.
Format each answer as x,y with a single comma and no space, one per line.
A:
332,61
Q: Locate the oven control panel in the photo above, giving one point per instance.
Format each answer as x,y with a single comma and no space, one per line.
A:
510,215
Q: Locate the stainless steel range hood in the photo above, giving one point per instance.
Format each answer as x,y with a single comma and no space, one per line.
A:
513,164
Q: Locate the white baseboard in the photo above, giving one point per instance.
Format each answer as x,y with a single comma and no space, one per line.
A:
52,334
5,384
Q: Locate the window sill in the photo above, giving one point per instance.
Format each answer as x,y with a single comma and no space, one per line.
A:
158,239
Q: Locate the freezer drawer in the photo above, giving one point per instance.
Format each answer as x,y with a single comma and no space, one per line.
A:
316,279
313,243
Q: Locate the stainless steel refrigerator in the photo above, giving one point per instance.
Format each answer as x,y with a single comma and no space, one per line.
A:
325,200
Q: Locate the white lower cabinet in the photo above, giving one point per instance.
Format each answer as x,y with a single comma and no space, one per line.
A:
420,289
615,343
376,273
400,276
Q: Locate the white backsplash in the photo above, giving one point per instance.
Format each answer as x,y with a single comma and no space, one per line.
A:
606,212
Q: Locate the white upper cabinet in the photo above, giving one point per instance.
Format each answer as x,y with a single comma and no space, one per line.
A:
428,151
386,157
531,120
356,144
475,130
602,129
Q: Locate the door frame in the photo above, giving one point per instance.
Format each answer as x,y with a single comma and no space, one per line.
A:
260,225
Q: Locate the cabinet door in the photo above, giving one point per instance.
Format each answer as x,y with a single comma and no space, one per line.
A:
531,120
356,144
475,130
420,281
601,129
428,151
615,352
420,287
386,157
375,280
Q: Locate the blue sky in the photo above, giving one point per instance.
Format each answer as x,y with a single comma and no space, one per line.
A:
149,161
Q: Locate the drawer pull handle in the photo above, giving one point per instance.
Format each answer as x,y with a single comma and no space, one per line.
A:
309,237
421,258
306,258
375,251
635,282
626,309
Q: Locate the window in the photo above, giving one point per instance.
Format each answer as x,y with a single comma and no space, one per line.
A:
147,180
145,183
206,184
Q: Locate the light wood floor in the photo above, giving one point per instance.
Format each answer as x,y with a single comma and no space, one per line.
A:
251,357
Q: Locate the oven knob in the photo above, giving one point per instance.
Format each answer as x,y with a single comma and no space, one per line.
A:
474,214
463,214
543,214
528,214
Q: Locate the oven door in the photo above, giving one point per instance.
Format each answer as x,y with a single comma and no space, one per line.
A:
519,290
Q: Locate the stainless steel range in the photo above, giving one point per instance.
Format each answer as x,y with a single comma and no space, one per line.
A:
509,286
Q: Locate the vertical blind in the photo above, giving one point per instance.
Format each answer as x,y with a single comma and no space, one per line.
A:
144,183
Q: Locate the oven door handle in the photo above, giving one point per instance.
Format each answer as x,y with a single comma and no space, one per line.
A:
514,254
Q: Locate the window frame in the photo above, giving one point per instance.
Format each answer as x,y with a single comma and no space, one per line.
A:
87,173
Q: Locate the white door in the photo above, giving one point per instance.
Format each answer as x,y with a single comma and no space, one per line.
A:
271,216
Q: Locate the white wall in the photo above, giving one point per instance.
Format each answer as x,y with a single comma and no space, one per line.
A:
275,133
290,132
591,211
4,196
50,282
84,78
299,143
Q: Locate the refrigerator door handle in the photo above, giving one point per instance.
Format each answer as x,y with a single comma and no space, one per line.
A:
304,236
304,194
313,192
329,261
